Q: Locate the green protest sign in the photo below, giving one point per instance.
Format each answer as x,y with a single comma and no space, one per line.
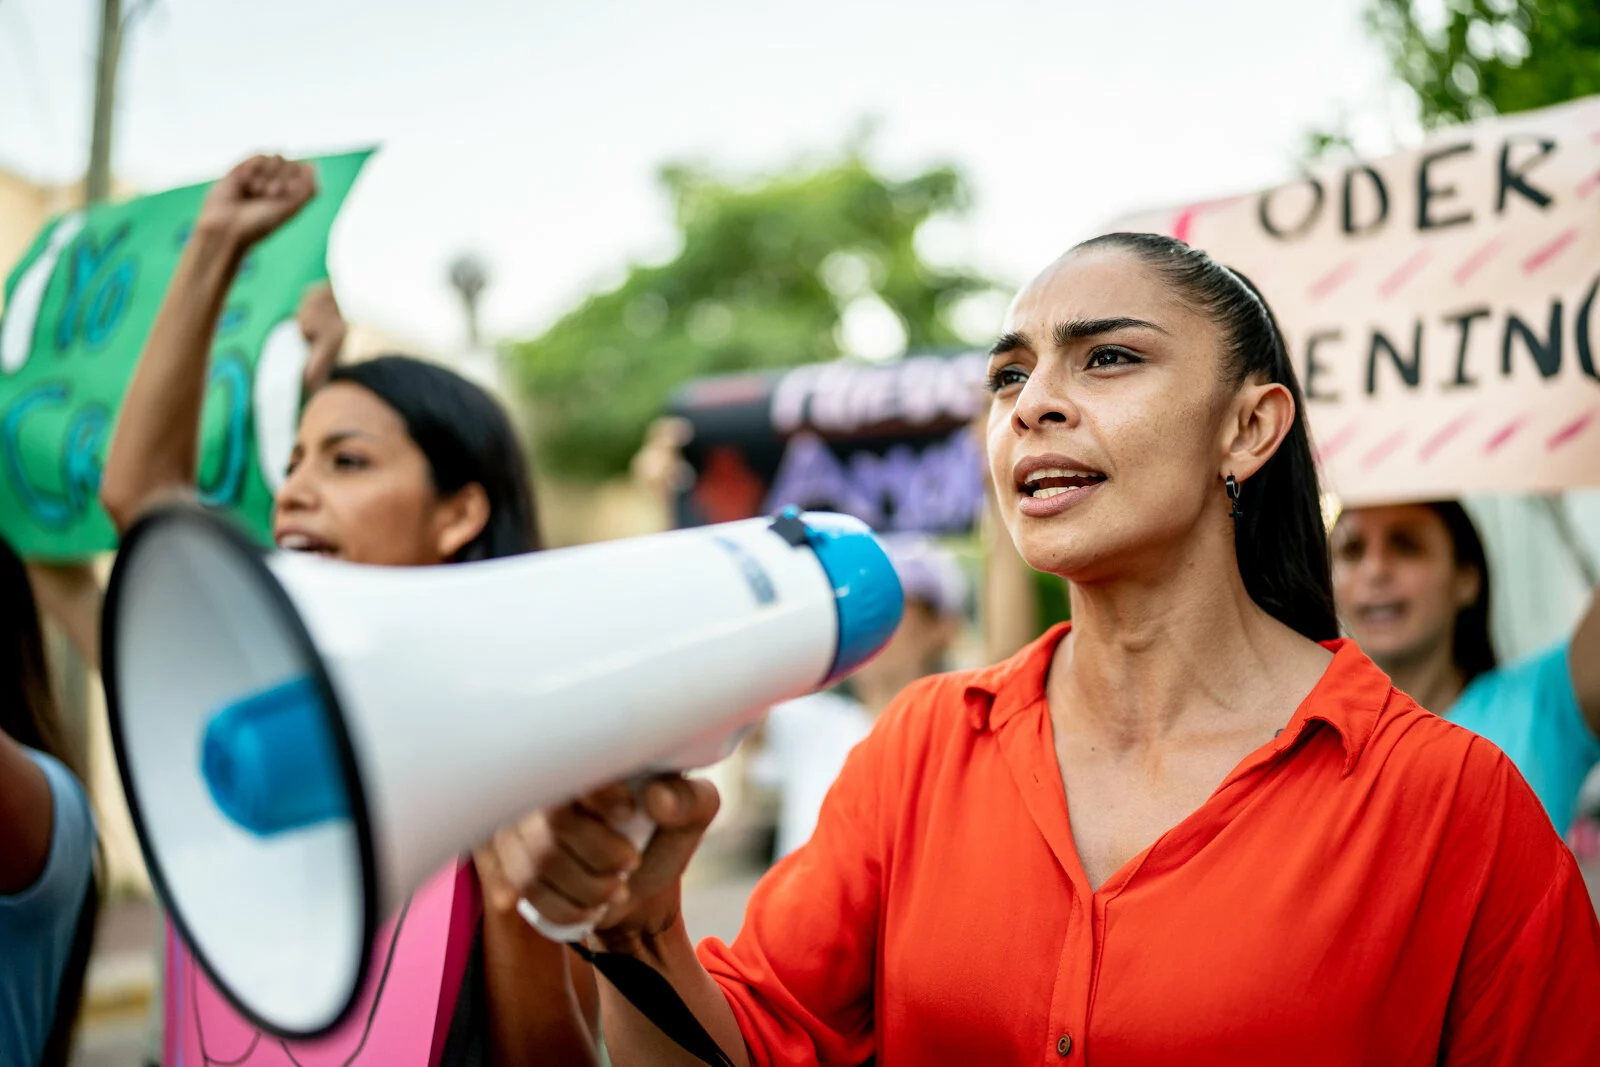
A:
77,310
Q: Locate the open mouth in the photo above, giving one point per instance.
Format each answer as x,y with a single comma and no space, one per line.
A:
1049,482
1381,613
295,541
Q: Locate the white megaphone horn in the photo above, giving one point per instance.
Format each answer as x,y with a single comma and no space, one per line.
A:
303,742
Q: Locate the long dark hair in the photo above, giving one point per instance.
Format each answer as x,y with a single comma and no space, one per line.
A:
27,703
466,438
1281,543
1472,647
28,714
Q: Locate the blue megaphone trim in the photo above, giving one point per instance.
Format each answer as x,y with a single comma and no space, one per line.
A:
270,763
866,589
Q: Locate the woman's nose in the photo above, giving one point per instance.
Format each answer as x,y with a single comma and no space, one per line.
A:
1374,566
298,491
1040,404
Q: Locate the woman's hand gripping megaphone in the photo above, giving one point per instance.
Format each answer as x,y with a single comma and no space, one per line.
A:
610,863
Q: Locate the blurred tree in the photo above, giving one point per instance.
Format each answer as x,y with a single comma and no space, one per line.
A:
766,273
1470,58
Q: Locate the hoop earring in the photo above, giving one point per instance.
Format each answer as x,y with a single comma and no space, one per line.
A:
1233,494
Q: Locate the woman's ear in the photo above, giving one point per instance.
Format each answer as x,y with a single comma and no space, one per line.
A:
1261,417
1468,584
460,518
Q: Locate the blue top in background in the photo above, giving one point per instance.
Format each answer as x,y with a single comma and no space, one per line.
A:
1530,711
37,925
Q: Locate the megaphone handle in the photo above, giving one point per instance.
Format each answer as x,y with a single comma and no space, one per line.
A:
638,828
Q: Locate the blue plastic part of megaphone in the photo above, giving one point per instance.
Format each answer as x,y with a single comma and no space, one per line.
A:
269,760
866,590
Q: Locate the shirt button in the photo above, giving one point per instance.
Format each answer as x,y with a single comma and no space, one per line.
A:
1064,1046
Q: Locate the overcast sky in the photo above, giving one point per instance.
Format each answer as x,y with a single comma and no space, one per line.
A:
531,132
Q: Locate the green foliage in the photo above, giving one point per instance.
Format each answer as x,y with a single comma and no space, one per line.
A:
749,290
1480,57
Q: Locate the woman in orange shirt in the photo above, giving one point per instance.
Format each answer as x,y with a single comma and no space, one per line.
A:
1193,827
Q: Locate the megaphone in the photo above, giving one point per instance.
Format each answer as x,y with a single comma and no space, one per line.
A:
303,742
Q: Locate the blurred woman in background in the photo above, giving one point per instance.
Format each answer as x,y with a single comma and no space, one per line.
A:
397,462
48,891
1412,586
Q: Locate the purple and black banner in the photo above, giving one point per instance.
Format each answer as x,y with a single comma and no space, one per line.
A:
891,443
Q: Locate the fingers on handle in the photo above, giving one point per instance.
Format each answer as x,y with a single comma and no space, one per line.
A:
682,809
567,863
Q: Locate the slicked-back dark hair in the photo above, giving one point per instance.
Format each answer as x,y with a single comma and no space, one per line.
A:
466,438
1281,542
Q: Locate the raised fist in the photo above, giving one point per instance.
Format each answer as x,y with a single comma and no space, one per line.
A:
256,197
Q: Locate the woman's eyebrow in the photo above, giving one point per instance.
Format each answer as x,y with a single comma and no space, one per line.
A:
339,437
1010,342
1076,329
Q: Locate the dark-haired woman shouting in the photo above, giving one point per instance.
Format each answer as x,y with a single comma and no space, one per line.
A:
1193,827
397,462
1412,583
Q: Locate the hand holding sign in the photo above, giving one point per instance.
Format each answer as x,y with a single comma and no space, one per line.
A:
255,198
324,329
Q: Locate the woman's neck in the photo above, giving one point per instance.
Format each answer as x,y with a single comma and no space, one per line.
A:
1431,678
1179,648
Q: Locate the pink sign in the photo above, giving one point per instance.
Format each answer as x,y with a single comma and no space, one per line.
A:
418,960
1440,304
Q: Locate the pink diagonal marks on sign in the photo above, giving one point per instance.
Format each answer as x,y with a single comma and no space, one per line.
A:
1333,279
1383,450
1335,443
1569,431
1504,434
1406,271
1443,437
1470,265
1589,185
1549,251
1184,223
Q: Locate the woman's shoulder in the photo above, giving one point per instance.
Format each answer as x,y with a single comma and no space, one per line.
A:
1408,735
70,861
931,706
1447,774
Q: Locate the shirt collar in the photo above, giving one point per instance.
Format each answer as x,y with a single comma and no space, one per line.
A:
1349,696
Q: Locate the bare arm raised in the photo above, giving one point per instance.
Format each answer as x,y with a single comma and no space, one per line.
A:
155,449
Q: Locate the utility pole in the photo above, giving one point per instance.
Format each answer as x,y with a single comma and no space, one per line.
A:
114,27
97,185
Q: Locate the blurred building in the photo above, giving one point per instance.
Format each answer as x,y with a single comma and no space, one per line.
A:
26,205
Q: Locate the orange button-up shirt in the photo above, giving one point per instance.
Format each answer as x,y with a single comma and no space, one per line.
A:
1373,886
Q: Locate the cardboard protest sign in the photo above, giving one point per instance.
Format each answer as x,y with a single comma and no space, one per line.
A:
1439,305
77,311
401,1020
888,443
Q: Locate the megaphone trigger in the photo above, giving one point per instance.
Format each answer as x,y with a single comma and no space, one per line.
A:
638,828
